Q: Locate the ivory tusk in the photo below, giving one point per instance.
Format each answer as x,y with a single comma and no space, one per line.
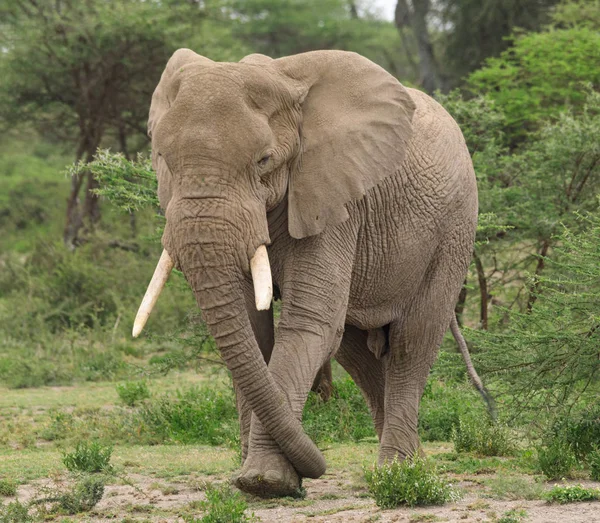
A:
159,278
261,278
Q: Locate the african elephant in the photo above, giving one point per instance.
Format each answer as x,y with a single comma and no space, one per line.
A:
320,174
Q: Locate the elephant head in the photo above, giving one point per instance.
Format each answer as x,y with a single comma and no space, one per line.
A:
232,142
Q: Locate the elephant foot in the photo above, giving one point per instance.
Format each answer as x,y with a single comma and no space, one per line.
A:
268,476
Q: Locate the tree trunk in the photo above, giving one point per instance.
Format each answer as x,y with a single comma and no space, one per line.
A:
416,17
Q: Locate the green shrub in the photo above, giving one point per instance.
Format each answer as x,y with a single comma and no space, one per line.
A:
345,417
83,497
556,460
581,431
222,505
8,488
197,415
89,457
132,392
482,436
441,408
414,481
15,512
593,459
571,494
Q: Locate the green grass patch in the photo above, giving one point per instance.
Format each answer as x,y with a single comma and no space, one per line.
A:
133,392
556,460
482,436
8,488
222,505
414,481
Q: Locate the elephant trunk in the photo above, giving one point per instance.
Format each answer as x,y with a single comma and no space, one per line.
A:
211,263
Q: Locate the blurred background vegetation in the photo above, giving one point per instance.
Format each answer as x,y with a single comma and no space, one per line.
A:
79,243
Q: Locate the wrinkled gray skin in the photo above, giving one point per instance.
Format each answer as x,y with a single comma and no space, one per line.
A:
365,193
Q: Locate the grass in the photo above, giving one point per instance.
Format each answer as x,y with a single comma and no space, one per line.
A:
513,487
557,460
133,392
483,437
8,488
414,481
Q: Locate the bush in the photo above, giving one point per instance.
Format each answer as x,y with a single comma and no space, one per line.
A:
482,436
571,493
84,496
8,488
414,481
89,457
345,417
132,392
594,462
15,512
222,505
581,431
556,460
514,515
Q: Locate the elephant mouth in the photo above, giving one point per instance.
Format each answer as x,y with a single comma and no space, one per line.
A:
260,269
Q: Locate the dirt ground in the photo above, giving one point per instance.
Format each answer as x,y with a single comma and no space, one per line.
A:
334,498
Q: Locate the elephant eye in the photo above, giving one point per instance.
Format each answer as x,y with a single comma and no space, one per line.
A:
264,160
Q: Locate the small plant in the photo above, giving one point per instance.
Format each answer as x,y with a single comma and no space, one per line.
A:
7,488
15,512
414,481
514,515
483,437
83,496
132,392
594,461
222,505
89,457
571,494
556,460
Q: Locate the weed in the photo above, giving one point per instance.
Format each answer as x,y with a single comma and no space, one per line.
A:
8,488
414,481
132,392
571,494
556,460
84,496
222,505
89,457
483,437
580,431
594,461
514,515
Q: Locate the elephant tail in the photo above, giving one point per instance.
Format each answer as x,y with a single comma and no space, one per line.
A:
475,379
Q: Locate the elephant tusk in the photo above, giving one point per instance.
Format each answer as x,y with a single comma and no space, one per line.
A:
261,277
159,278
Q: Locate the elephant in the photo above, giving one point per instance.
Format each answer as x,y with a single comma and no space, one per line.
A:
321,177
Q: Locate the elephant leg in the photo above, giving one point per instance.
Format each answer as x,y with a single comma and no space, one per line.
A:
323,384
263,328
414,342
366,370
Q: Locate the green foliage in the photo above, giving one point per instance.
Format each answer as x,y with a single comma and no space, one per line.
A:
89,457
442,406
222,505
345,417
593,459
129,185
197,415
8,488
412,482
132,392
577,13
572,494
556,460
580,430
482,436
540,75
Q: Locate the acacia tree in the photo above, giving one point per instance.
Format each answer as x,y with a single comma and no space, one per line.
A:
82,72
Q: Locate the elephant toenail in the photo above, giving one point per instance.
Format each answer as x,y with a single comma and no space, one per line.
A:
273,477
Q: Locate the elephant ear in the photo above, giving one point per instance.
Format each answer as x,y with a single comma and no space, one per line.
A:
162,98
356,125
